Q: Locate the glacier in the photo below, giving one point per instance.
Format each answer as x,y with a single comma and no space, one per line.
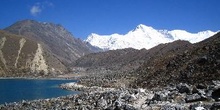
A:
144,37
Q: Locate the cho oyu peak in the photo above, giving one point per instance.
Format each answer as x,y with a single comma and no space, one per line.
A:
145,37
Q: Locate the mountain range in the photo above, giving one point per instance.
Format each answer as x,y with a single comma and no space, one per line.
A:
32,48
144,37
169,63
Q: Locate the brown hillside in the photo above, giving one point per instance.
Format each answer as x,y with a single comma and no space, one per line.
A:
54,37
199,64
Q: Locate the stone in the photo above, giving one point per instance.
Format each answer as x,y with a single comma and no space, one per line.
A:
173,107
128,107
167,107
132,98
199,108
216,83
102,103
183,88
202,60
216,94
195,90
126,97
109,108
201,86
159,96
118,104
194,98
215,106
201,92
78,101
180,107
179,99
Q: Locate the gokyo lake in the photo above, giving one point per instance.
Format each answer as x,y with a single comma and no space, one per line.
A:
14,90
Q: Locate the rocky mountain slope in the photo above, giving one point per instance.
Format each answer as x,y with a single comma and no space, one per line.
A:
117,64
130,55
55,38
199,64
20,55
144,37
29,47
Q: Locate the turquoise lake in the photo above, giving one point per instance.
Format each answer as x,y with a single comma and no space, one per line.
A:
14,90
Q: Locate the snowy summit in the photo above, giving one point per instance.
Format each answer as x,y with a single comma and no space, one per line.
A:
144,37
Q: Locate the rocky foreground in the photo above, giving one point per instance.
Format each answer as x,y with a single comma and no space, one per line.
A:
178,97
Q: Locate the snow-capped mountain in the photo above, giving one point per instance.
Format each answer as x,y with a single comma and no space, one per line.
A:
144,37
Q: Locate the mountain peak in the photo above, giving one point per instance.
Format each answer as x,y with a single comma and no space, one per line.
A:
143,27
28,22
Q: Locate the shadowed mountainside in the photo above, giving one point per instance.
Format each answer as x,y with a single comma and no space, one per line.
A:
29,47
54,37
119,64
130,56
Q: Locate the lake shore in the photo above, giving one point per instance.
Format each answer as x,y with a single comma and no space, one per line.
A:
49,78
180,97
17,89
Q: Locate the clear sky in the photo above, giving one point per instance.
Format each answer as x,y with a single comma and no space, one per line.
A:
82,17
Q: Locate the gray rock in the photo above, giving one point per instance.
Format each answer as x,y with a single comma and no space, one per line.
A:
194,98
201,92
201,86
126,97
196,106
216,83
209,93
82,107
159,96
215,106
179,107
118,104
78,101
216,94
110,108
202,60
127,107
102,103
173,107
167,107
183,88
195,90
132,98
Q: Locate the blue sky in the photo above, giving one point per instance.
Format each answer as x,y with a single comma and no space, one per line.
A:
82,17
